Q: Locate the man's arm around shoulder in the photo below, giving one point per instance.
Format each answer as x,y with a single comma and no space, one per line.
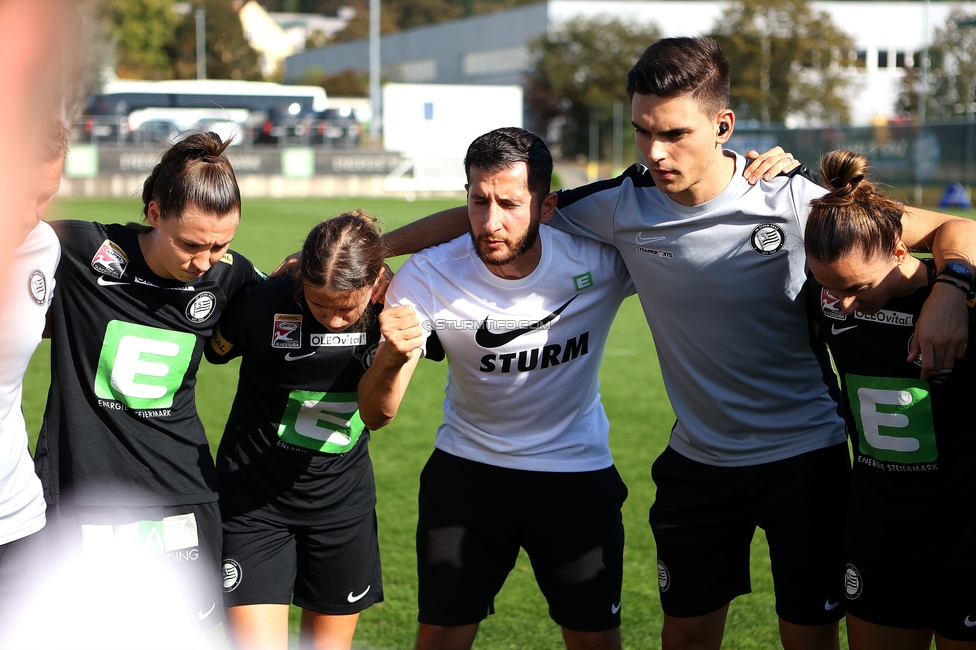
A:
942,331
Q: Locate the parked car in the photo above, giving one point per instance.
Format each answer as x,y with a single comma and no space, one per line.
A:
333,127
336,127
153,131
226,129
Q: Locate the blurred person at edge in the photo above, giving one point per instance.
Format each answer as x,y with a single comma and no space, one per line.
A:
38,40
27,291
122,455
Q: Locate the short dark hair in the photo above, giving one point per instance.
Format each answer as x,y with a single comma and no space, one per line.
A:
503,148
194,171
683,66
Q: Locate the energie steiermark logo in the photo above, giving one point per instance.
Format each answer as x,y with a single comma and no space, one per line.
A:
894,416
141,366
318,421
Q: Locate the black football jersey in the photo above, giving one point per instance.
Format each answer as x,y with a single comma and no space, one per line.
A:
295,447
121,425
914,441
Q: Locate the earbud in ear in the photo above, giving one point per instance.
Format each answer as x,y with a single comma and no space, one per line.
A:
723,128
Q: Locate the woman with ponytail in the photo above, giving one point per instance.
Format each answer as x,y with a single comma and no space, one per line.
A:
294,474
122,455
910,569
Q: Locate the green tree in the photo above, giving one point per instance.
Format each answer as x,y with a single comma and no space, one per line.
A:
229,55
346,83
142,32
579,67
787,60
952,71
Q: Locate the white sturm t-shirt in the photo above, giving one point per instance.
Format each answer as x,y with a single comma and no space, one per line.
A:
26,296
523,355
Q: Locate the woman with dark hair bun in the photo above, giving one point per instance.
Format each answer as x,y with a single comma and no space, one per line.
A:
122,455
296,483
910,568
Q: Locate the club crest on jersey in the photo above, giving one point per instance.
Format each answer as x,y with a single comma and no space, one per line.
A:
201,307
287,332
110,259
831,305
232,575
37,287
852,581
768,239
369,355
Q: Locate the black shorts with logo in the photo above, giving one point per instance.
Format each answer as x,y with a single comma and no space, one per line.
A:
167,557
704,518
474,518
911,595
331,568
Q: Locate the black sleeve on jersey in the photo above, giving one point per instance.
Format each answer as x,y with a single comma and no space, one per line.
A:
805,172
435,351
230,337
636,173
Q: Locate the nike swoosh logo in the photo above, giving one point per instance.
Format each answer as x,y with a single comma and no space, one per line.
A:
487,339
289,357
108,283
353,599
832,605
614,608
201,615
647,240
969,623
835,330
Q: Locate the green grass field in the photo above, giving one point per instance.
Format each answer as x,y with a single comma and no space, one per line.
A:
635,401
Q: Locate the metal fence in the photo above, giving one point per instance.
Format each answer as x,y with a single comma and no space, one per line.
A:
934,154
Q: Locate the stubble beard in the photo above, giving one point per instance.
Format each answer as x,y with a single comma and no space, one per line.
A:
516,248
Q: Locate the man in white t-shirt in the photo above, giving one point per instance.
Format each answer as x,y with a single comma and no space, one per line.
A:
522,459
26,294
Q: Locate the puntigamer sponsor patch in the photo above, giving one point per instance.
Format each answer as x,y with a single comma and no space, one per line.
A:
887,317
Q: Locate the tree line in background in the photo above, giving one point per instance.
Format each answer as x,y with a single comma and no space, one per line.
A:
790,62
951,90
153,41
786,60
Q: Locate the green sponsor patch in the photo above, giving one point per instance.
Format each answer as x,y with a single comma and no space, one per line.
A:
583,281
894,418
142,367
326,422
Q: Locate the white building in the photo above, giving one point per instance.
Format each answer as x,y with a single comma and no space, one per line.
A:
266,36
493,48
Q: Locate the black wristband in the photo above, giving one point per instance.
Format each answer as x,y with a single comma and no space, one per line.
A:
954,283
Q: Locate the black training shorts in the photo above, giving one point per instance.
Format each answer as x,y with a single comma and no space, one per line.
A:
331,568
912,595
704,518
474,517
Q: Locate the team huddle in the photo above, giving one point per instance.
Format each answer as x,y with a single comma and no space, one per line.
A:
793,327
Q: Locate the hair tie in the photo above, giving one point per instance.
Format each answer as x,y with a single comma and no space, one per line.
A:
211,158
